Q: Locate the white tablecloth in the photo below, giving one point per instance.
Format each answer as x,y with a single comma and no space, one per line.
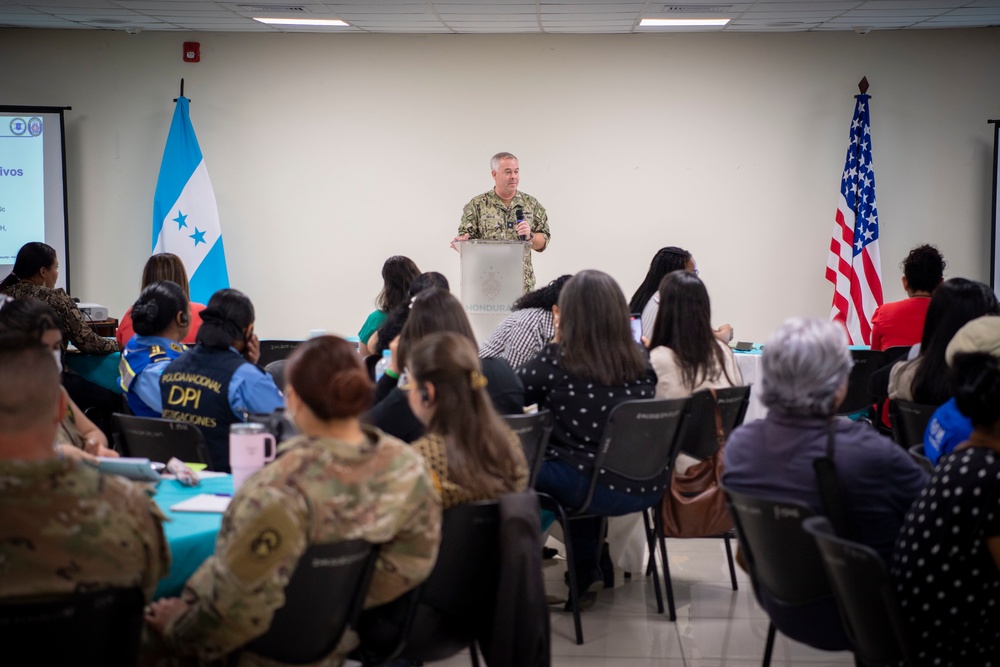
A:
749,365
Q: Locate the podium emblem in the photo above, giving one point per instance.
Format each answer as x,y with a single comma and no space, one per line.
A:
491,284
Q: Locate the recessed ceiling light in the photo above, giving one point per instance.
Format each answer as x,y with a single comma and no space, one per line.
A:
681,23
330,23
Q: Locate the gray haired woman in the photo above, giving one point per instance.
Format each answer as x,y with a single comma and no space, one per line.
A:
805,367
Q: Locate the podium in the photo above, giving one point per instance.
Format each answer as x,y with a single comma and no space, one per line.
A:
492,280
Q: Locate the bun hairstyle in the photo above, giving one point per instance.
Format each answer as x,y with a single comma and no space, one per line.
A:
327,375
31,258
157,307
225,320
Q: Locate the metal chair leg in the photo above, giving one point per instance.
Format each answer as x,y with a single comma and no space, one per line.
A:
574,594
667,583
473,653
769,646
651,544
729,555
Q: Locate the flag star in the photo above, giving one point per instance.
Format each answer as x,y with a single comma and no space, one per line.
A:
868,235
181,220
855,124
861,106
199,237
859,243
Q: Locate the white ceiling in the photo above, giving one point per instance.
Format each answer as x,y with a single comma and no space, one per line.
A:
510,16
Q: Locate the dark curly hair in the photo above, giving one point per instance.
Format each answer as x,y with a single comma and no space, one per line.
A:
923,268
544,297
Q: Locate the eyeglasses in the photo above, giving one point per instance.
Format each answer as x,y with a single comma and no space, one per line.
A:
406,381
695,272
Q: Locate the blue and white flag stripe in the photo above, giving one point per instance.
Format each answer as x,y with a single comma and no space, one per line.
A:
185,213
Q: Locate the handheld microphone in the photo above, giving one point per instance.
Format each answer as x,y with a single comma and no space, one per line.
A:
519,212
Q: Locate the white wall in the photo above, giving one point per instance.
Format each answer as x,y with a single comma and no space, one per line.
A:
331,152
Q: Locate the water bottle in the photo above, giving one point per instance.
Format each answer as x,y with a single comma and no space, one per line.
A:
383,363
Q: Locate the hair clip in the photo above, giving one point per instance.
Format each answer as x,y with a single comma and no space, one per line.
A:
477,381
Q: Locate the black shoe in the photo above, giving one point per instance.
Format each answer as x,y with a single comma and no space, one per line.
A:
548,553
607,567
587,586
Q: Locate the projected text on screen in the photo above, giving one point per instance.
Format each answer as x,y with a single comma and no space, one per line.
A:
22,183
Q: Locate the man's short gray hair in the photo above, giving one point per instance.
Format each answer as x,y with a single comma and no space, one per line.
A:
805,362
495,160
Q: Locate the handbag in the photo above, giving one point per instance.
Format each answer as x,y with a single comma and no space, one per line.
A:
694,504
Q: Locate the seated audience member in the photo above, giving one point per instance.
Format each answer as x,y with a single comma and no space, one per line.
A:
338,480
397,274
901,323
528,328
925,379
163,266
394,322
162,316
594,365
66,527
436,310
646,299
213,384
805,367
949,427
471,452
33,320
947,561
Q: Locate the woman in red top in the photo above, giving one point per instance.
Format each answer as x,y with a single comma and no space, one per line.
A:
163,266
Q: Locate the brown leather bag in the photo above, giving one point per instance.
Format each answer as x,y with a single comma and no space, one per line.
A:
694,505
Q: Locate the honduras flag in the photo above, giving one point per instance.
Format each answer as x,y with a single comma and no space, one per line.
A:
185,215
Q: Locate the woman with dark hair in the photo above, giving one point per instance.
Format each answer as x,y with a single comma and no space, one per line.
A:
946,564
163,266
685,354
397,274
339,480
471,452
528,328
35,273
436,310
955,302
162,316
646,299
393,325
594,365
33,321
216,383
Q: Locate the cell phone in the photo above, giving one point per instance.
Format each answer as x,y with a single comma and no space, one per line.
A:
743,346
636,322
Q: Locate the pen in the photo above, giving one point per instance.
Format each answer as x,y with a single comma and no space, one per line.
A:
223,495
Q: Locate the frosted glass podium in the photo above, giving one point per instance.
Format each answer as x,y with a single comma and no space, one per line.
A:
492,280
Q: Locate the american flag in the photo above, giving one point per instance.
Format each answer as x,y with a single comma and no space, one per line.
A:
854,265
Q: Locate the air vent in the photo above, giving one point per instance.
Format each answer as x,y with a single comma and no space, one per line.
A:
275,9
699,9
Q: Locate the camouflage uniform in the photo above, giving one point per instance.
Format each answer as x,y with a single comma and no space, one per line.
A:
434,451
486,217
74,329
319,490
67,528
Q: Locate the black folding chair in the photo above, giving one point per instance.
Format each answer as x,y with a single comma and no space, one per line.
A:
160,440
99,628
273,350
866,363
699,439
639,443
865,596
534,431
909,421
786,571
276,369
323,599
917,454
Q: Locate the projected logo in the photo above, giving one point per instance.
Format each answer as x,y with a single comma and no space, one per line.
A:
18,126
35,126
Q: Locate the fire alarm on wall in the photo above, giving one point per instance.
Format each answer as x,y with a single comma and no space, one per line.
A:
192,52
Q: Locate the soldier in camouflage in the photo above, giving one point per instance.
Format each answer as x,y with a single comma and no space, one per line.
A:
66,527
493,214
321,489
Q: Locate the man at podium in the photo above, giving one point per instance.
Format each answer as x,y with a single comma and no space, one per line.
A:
506,214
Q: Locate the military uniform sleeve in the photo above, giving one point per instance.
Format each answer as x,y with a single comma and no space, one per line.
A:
76,330
234,594
408,558
540,224
470,221
146,522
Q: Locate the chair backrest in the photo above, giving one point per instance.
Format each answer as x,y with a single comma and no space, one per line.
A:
918,455
276,369
909,421
273,350
160,439
99,628
782,558
866,362
896,353
277,424
864,594
323,599
534,431
698,437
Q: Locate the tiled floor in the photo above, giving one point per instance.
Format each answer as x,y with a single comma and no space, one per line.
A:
715,626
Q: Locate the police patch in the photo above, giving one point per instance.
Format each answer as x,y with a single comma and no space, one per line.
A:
265,544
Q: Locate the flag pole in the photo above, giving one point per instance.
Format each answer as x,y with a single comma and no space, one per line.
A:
182,90
862,85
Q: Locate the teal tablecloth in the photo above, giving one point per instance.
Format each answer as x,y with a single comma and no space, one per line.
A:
191,535
100,369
